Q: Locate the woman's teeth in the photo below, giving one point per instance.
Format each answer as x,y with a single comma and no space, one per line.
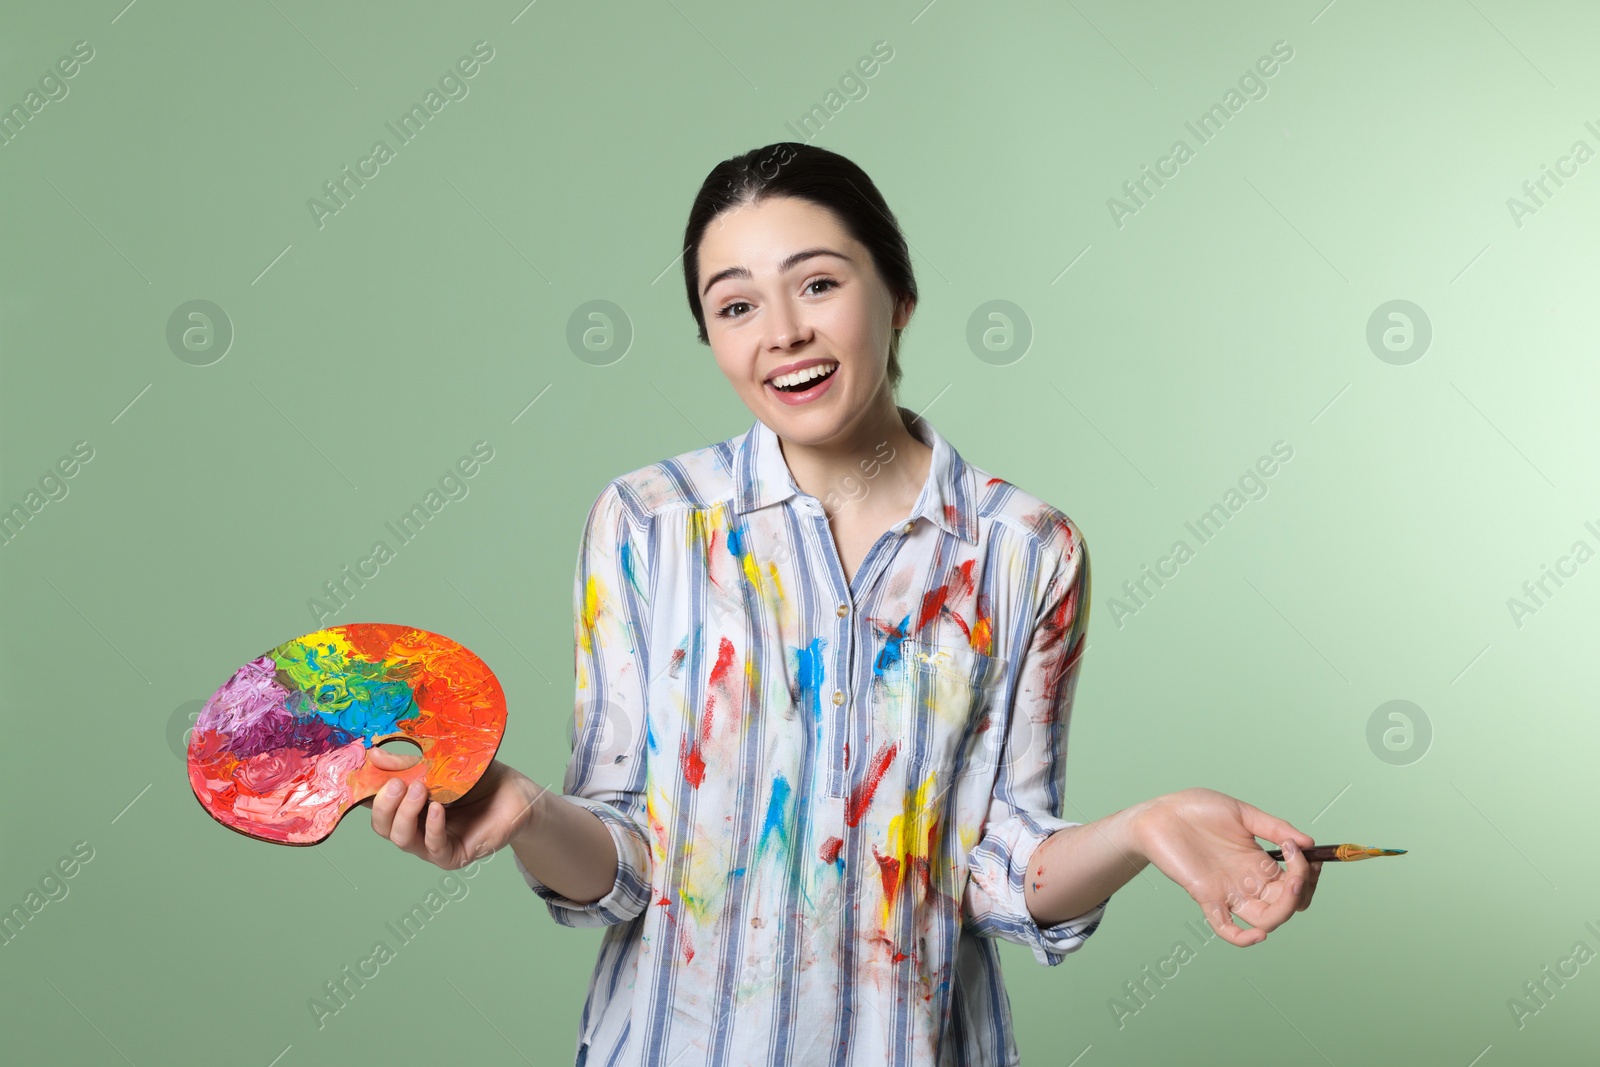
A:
804,375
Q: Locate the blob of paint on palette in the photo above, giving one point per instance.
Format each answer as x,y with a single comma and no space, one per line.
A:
279,752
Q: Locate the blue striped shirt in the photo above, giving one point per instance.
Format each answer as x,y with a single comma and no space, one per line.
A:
824,793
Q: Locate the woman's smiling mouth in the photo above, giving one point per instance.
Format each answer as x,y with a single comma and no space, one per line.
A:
805,384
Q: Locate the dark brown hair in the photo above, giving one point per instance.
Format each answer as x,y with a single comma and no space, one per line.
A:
827,179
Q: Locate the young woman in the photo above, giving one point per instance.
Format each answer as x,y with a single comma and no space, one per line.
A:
825,670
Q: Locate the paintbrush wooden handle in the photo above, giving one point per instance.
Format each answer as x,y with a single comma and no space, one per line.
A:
1339,853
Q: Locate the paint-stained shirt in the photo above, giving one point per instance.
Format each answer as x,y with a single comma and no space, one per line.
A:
824,793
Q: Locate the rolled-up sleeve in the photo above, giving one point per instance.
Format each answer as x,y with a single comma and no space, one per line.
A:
606,771
1026,803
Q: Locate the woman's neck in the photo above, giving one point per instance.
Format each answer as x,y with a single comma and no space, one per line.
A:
877,470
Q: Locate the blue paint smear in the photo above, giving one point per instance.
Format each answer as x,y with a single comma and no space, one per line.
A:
357,698
736,540
889,656
626,558
809,672
775,805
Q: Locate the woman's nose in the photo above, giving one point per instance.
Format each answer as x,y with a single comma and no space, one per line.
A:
785,325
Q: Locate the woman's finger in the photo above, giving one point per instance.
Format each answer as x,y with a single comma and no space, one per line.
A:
1220,916
435,838
383,804
1280,895
1271,827
404,830
390,760
1311,885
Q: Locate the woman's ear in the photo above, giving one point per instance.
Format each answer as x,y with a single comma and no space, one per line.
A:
902,311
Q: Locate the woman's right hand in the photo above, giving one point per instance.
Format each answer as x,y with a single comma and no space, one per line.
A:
477,825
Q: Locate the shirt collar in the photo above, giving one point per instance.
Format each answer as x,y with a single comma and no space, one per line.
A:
948,498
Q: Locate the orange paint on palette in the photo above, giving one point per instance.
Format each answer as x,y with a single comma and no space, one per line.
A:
279,752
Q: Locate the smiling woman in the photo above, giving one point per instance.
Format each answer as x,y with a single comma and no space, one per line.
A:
829,738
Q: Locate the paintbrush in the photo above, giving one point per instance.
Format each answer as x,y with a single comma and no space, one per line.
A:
1340,853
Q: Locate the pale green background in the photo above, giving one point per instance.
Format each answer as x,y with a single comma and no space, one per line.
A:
1224,316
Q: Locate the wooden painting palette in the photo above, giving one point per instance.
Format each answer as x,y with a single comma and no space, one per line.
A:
279,752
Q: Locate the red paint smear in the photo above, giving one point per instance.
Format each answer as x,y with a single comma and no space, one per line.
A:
932,601
889,871
719,683
861,795
676,663
683,933
960,585
964,584
966,631
719,673
952,515
1056,626
1060,617
1056,523
830,849
897,957
694,766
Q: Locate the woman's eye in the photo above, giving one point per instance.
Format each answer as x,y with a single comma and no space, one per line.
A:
727,312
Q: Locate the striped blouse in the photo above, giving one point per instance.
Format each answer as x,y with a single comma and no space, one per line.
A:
824,793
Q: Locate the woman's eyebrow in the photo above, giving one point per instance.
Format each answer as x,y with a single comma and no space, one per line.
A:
789,261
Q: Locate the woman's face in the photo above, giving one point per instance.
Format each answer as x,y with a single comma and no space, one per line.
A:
782,283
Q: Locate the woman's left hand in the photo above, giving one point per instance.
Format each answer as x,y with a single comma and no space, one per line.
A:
1206,842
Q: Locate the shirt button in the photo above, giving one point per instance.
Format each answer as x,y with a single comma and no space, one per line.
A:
842,610
906,528
838,696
